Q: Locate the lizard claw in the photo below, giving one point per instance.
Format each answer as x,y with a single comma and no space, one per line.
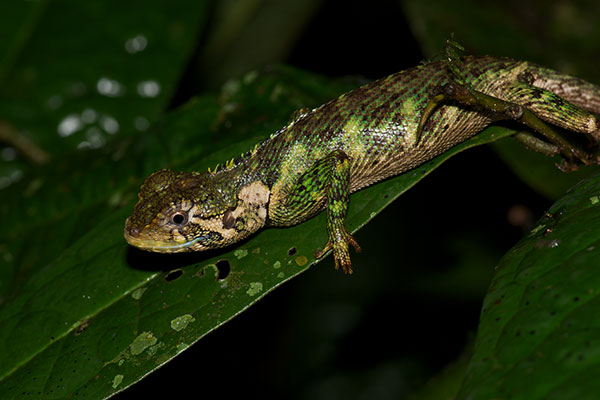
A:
341,255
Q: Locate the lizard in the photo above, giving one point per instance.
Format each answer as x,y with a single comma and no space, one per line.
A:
379,130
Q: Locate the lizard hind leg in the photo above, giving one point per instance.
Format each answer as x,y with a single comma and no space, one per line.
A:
568,116
533,106
554,109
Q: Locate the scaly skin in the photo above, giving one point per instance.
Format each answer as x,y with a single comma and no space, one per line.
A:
376,131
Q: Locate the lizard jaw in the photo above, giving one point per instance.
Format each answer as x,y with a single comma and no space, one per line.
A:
158,246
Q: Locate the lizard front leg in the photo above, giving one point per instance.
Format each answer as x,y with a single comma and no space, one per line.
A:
325,185
338,192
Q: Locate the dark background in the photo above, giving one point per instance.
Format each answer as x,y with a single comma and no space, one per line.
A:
411,308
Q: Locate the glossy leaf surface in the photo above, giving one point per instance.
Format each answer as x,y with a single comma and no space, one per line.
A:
538,335
107,314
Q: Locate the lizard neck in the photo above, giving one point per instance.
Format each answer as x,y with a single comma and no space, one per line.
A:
249,196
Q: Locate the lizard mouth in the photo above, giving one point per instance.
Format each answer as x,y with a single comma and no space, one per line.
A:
157,246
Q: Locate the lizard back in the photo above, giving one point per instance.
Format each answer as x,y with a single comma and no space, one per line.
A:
376,125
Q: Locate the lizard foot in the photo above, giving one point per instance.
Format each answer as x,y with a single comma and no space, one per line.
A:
341,254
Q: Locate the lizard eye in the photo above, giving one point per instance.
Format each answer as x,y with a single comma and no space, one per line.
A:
179,218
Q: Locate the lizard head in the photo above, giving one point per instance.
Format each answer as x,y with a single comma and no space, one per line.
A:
182,211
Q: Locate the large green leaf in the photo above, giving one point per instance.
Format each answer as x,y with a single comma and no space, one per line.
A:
71,195
98,317
539,332
80,74
81,313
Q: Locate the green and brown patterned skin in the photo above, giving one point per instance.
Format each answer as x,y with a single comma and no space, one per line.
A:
362,137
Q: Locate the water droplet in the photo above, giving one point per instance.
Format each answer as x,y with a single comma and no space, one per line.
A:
109,87
109,124
148,88
12,177
141,123
8,154
94,137
89,116
136,44
69,125
84,145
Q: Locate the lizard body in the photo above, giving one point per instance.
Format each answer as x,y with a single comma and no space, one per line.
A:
379,130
